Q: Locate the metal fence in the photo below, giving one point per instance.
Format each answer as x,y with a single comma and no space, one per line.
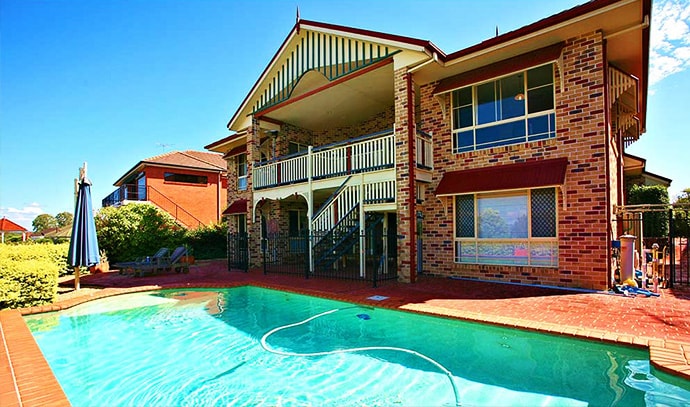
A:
290,255
238,252
669,228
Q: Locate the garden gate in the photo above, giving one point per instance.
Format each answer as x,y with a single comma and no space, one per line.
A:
666,225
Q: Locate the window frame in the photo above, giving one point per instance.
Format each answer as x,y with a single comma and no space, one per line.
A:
527,244
240,222
526,117
242,169
170,177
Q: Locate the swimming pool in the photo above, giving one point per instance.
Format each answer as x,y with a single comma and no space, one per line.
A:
204,347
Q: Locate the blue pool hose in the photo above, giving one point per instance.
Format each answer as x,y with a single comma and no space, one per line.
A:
349,350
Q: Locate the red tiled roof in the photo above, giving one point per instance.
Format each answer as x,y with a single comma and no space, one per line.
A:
198,159
531,174
190,159
7,225
239,206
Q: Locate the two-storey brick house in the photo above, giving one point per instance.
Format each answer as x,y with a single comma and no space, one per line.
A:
190,185
501,161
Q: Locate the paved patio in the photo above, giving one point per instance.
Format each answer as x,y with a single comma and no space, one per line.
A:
661,324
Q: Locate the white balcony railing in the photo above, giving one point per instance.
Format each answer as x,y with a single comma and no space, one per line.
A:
369,153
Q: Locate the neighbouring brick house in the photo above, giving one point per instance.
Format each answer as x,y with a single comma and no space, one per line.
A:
501,161
190,185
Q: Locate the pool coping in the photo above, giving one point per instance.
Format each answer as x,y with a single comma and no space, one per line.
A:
27,380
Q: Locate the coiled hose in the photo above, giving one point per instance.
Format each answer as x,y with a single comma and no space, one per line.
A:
350,350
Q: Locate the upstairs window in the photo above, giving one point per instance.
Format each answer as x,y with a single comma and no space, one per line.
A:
186,178
513,109
241,161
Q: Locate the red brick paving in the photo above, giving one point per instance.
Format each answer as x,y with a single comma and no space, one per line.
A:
662,324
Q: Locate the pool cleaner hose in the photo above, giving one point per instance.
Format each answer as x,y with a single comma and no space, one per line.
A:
351,350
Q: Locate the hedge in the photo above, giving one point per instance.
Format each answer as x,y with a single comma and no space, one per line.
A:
29,273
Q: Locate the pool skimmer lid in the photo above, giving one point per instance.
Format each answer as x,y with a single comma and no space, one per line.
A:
377,298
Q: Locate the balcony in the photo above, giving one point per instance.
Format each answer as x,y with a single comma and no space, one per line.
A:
373,152
126,192
363,155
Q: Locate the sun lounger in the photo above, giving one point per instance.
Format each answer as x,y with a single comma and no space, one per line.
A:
172,262
130,267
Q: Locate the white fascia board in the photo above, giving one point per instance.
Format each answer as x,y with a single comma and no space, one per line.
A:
369,38
540,32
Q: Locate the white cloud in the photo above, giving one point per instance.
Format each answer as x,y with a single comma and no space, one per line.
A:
670,39
23,216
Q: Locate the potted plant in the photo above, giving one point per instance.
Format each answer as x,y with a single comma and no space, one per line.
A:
103,266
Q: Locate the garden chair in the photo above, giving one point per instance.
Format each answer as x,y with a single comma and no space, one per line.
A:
130,267
172,262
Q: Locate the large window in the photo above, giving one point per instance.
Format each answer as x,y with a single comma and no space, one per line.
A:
513,109
186,178
241,160
513,228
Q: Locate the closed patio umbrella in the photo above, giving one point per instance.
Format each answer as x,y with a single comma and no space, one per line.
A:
83,246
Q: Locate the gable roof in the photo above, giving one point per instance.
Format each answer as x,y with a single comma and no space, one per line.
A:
7,225
619,18
295,57
189,159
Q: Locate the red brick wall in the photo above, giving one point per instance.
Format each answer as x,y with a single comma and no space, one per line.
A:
583,226
406,213
205,202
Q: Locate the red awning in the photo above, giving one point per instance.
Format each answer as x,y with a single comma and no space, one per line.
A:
531,174
510,65
237,207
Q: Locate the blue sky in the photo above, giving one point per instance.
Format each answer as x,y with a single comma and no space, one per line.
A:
111,82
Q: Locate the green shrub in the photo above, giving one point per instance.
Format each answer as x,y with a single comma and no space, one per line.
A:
29,273
208,242
655,224
136,230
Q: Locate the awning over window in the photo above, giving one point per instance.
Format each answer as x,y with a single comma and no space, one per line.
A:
532,174
237,207
514,64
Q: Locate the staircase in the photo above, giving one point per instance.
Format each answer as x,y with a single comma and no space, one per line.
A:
336,225
181,215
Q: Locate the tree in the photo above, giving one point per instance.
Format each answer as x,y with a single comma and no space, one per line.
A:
136,230
64,219
684,197
655,224
43,222
681,214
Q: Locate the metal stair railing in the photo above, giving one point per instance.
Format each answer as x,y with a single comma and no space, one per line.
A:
330,245
180,214
343,237
332,211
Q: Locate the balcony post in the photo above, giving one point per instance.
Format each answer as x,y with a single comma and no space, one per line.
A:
310,207
362,230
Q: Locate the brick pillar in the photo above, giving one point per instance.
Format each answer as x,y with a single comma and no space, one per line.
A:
253,222
404,88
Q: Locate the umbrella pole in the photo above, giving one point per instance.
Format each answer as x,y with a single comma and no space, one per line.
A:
76,278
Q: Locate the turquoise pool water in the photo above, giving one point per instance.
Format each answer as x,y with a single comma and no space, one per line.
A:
204,347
